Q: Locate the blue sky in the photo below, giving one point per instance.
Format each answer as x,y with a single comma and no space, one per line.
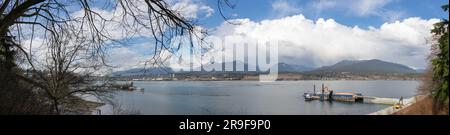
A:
312,33
258,10
390,30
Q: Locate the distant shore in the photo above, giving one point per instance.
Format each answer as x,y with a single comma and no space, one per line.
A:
280,77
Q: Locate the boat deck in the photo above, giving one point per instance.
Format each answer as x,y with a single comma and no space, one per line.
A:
338,96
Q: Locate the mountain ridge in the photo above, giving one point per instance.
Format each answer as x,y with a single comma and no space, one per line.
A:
366,66
352,66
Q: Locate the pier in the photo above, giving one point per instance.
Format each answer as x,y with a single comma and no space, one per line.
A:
396,104
406,103
327,94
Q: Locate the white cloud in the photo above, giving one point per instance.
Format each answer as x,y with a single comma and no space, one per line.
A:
321,5
124,25
325,41
192,9
357,7
281,8
361,8
131,56
123,57
368,7
126,57
391,16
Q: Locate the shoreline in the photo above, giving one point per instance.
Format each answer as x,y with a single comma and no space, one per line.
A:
406,104
258,80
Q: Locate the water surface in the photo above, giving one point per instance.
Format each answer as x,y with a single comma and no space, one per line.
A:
253,97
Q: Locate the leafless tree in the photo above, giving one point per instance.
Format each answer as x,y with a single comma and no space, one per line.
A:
76,42
75,36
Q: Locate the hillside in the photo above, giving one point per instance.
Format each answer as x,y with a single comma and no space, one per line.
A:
366,66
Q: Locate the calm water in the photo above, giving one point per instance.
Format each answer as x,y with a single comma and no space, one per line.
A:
253,97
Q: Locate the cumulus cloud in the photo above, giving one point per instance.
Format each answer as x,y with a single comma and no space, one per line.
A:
324,41
309,42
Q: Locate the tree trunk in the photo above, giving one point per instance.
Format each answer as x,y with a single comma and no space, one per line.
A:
55,105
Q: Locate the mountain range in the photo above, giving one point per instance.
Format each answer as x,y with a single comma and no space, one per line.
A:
366,66
351,66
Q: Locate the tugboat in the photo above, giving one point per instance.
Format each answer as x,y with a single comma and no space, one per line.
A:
308,97
311,96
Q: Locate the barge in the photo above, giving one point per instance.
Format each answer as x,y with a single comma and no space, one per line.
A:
327,94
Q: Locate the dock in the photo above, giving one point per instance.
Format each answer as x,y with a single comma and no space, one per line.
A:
406,103
379,100
327,94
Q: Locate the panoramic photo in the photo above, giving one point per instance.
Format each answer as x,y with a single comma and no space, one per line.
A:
224,57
